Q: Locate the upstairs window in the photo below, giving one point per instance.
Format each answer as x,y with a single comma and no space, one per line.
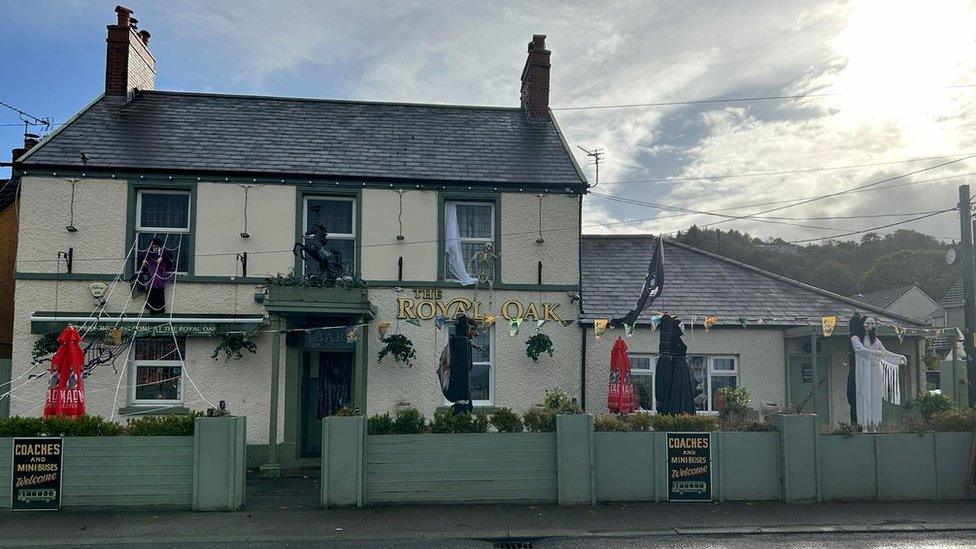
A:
476,228
164,215
337,215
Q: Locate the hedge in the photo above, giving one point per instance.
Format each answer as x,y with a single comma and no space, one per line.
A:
97,426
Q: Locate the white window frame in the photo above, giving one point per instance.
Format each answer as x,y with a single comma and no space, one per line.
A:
491,368
333,236
139,228
136,364
709,373
649,373
448,275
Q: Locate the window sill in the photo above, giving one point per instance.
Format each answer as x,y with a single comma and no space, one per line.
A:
150,410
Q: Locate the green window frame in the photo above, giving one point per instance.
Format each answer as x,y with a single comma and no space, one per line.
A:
305,194
132,220
492,198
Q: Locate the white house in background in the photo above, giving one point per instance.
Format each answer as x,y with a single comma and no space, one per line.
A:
908,300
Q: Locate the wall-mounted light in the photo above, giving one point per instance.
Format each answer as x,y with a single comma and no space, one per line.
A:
399,235
540,240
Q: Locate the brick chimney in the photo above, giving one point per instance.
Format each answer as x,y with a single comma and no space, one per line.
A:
535,78
30,140
129,65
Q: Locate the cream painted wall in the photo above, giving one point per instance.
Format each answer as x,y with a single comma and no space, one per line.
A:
915,304
380,248
559,253
519,382
220,221
243,383
761,362
99,215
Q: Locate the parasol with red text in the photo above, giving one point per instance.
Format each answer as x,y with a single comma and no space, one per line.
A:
66,391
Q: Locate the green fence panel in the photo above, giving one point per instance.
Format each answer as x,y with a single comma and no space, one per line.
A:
748,466
468,468
799,456
218,466
952,460
574,459
6,454
127,471
342,461
625,468
906,466
848,467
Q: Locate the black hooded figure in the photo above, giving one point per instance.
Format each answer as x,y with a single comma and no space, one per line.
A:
675,389
856,328
459,389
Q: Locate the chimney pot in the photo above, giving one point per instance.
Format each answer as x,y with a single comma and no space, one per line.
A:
123,14
30,139
535,78
144,34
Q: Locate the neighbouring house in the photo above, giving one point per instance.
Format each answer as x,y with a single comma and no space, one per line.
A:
768,336
954,304
908,300
228,184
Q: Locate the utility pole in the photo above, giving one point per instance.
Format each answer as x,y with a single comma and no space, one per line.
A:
595,154
968,277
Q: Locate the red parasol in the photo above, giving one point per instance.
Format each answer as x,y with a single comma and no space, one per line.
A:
66,391
621,396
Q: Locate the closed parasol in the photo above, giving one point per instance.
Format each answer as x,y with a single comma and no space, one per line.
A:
620,396
66,391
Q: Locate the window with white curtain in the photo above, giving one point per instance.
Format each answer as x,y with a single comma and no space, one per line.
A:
476,227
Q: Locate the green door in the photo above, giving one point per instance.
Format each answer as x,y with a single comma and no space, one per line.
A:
326,388
803,378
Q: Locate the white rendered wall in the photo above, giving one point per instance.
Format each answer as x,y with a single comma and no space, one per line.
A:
380,248
559,253
760,352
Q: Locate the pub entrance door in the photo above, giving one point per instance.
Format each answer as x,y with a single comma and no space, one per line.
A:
326,388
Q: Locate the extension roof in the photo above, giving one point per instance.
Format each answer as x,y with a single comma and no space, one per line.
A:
954,297
170,131
698,283
884,298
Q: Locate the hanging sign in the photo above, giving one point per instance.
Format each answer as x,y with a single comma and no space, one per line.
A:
36,474
808,373
689,466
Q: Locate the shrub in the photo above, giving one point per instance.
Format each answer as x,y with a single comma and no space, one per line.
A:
743,425
735,403
346,411
540,420
556,399
684,422
85,426
641,421
45,345
180,425
845,429
929,404
449,422
409,422
609,423
955,420
506,420
380,425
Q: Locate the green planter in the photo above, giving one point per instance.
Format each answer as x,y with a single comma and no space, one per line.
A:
312,299
218,463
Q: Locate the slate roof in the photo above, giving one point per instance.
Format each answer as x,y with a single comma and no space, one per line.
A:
954,297
884,298
310,137
699,283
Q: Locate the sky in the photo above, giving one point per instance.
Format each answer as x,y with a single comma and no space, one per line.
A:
888,86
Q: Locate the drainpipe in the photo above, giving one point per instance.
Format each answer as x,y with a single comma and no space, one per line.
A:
272,469
583,369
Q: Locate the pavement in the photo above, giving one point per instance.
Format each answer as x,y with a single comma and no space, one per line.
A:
285,513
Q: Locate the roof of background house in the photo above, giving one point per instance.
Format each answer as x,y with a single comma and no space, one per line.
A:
884,298
954,297
698,283
312,137
8,192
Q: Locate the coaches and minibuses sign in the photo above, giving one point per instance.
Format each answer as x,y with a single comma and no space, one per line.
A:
689,466
36,479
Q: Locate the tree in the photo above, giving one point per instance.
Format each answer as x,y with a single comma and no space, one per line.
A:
834,276
926,269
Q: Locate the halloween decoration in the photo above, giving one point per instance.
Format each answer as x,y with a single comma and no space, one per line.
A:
538,344
455,365
314,248
399,347
653,285
514,325
452,246
876,374
66,390
675,387
621,398
233,346
827,324
154,275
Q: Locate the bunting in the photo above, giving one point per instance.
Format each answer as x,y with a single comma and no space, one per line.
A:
599,327
710,321
828,323
513,326
382,328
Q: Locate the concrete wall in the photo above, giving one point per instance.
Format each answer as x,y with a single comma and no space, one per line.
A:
559,253
760,352
380,246
243,384
519,382
220,221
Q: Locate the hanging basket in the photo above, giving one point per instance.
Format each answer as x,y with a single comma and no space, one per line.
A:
233,346
399,347
536,345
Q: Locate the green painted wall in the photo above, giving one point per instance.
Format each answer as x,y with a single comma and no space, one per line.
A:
464,468
747,466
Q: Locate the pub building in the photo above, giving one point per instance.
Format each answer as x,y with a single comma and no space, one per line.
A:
212,192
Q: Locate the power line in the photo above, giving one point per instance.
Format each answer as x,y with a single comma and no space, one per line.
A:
879,227
787,172
725,100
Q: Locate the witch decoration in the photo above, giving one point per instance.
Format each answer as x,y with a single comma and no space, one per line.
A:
621,398
454,368
66,390
314,248
875,375
154,275
675,386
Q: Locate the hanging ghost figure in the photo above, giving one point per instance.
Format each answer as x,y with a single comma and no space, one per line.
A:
876,374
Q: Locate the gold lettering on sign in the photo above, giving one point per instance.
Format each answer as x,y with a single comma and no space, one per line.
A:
506,307
531,313
549,312
429,308
405,308
428,303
